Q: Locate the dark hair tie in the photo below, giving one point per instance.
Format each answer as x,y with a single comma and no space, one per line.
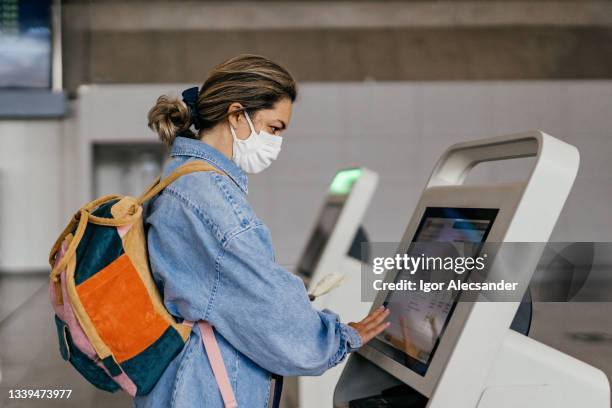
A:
190,97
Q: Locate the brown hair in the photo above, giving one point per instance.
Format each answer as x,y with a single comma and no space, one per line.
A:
251,80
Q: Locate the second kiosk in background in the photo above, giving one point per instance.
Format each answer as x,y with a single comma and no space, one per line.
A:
334,247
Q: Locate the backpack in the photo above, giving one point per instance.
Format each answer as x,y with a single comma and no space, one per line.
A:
111,322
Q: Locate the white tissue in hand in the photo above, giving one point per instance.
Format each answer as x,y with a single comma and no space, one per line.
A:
327,283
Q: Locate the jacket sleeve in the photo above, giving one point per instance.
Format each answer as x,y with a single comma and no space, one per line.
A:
263,310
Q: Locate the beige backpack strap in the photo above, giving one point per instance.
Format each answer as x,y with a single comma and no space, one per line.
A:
151,186
186,168
76,221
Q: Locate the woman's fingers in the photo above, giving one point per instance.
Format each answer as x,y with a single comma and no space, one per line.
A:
377,319
373,332
372,325
373,315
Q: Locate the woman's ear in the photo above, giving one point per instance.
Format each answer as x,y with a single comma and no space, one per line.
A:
234,114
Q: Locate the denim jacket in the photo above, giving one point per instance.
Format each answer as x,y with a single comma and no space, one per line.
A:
213,260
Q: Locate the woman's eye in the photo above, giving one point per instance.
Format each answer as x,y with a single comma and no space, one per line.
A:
274,129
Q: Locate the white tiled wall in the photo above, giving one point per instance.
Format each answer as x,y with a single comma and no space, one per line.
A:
398,129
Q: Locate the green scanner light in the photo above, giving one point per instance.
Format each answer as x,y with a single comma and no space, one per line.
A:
343,181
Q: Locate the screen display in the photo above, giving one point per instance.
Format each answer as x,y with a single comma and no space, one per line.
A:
318,239
25,43
418,319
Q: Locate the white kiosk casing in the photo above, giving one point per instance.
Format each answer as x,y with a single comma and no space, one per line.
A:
327,251
478,361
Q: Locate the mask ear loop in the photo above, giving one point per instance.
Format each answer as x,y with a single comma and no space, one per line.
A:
246,115
232,131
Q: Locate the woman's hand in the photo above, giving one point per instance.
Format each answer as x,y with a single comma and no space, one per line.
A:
372,325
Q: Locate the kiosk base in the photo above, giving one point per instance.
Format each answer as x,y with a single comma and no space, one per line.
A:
527,374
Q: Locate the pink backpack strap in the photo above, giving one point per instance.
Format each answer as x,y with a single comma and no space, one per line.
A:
216,362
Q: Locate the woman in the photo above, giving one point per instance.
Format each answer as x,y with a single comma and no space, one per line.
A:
213,258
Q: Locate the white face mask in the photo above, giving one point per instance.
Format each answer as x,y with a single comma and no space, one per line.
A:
256,152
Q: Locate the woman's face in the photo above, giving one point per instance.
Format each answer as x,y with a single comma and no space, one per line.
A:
273,121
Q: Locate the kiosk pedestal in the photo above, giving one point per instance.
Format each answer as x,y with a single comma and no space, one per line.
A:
334,247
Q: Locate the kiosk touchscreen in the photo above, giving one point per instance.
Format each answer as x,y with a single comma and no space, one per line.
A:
334,247
442,351
418,321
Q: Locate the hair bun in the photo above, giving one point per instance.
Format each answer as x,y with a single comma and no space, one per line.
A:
169,117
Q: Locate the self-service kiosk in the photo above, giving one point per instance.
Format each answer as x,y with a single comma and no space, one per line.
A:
334,247
465,355
330,246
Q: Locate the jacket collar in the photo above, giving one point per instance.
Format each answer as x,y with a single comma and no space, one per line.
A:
184,146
